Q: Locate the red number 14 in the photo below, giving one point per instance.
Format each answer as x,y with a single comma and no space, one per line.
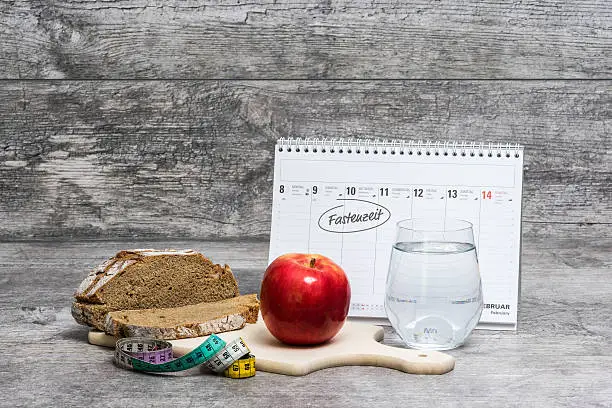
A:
486,194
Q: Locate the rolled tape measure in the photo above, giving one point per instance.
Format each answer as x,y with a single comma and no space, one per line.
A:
151,355
244,367
225,357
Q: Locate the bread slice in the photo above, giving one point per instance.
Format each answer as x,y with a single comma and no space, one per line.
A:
148,278
195,320
90,314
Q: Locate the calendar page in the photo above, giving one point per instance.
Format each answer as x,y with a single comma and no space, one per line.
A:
318,182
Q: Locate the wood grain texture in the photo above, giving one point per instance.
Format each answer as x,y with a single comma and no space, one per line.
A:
559,357
271,39
194,159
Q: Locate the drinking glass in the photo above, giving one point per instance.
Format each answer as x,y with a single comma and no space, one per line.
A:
433,294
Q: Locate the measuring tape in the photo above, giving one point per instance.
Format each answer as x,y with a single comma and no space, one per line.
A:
151,355
243,368
226,356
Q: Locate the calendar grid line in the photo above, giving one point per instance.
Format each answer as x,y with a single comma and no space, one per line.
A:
310,217
445,207
375,254
342,238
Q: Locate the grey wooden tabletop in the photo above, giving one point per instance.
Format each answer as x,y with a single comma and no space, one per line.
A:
560,355
127,120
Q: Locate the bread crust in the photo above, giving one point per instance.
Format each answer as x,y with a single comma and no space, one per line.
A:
230,322
89,314
91,307
98,316
90,288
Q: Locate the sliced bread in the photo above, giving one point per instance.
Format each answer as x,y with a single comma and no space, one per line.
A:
148,278
195,320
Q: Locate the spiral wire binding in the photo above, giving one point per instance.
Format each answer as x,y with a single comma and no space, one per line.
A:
401,147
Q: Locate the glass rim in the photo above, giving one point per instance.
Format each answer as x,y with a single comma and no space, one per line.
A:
466,225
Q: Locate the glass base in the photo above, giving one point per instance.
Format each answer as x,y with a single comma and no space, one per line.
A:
436,347
432,331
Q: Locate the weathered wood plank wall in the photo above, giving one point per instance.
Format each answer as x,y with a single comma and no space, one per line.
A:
124,119
194,158
270,39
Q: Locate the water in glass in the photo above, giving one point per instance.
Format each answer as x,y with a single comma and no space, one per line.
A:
433,294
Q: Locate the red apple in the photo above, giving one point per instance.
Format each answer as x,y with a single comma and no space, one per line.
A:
304,298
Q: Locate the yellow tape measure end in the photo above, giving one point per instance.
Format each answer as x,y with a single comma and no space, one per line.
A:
242,368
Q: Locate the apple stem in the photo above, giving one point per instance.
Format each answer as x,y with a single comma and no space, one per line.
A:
312,262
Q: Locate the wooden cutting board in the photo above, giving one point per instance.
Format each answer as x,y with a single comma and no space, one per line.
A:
356,344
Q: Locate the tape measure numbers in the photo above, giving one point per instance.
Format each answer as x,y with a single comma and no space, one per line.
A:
130,350
244,367
151,355
230,353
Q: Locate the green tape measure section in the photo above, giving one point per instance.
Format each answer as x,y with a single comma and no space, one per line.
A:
197,356
230,353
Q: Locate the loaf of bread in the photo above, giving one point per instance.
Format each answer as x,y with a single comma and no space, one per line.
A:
147,278
201,319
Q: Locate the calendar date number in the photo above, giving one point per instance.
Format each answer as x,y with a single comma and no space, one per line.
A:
281,189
